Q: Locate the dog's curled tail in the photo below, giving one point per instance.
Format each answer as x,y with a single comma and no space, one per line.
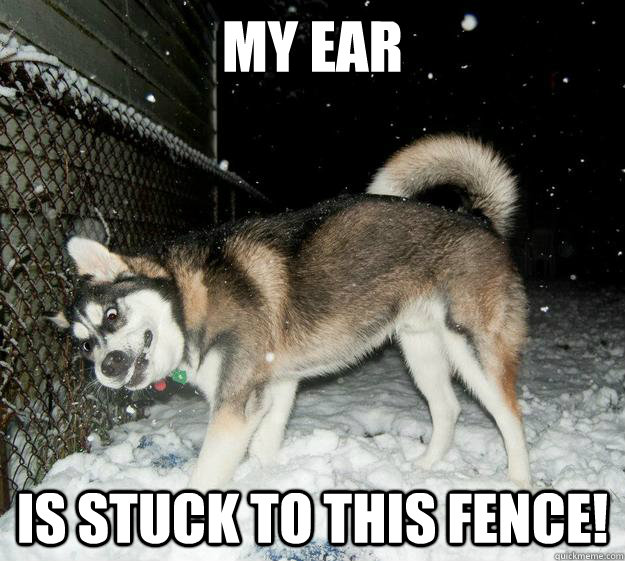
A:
487,183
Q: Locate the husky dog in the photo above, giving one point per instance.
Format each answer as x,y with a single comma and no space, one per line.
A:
251,308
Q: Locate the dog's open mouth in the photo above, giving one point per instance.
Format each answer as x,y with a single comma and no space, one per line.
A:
141,362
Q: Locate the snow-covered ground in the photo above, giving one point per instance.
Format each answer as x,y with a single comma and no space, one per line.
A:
365,430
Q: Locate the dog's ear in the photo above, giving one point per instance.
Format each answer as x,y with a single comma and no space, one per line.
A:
93,259
57,318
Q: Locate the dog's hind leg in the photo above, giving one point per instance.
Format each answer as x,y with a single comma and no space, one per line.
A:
425,354
491,376
268,437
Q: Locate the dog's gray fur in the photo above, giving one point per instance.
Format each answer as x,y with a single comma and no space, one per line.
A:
251,308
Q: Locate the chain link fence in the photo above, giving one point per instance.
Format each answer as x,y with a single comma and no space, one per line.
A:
74,161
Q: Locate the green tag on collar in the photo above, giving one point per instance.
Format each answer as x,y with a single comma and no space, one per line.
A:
179,376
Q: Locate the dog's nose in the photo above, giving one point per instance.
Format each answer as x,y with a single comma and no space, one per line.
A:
116,364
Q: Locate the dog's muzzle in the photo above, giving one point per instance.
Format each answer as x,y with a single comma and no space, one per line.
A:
141,362
116,364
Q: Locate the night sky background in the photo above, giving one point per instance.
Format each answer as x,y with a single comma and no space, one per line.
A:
547,88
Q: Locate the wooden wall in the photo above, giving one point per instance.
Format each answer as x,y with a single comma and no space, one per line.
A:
134,48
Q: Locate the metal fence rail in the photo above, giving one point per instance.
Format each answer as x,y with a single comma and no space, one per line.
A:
71,164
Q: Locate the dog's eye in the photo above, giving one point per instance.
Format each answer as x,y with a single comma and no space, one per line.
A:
111,314
86,346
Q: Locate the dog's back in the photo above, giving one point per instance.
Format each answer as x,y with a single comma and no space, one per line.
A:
355,265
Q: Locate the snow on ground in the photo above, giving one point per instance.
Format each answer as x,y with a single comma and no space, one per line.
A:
365,430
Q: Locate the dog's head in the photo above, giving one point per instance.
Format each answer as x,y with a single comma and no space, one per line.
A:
125,317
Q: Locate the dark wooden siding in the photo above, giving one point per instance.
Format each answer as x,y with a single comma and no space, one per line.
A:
133,48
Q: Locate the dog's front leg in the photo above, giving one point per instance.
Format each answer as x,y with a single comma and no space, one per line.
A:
225,444
267,439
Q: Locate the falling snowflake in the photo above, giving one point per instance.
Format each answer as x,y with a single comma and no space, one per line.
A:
469,22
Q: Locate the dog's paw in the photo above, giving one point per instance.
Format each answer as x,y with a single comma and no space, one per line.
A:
523,484
519,474
199,481
262,456
424,462
196,485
